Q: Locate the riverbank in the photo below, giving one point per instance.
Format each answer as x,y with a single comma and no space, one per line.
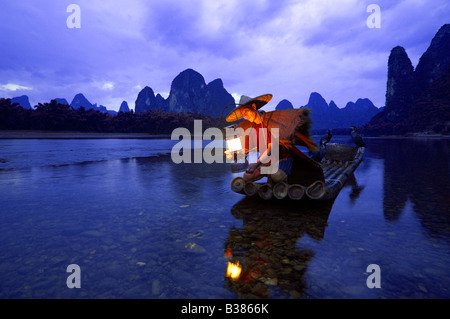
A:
10,134
415,136
75,135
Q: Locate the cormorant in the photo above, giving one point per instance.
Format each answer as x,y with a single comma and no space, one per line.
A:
319,154
356,138
326,138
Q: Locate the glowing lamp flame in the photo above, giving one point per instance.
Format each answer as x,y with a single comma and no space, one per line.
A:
233,270
234,144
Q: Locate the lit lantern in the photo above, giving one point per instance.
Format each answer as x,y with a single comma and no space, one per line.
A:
233,270
233,139
234,144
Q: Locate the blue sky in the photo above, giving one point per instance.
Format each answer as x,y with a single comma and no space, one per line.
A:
288,48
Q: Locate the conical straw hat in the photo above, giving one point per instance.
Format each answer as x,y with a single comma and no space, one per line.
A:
246,101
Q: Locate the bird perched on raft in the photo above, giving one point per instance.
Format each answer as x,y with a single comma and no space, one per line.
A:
326,138
356,138
319,154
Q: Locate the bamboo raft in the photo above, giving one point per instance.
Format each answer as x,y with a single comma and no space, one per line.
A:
339,164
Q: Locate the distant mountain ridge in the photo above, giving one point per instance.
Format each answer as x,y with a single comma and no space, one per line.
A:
22,101
62,101
330,116
417,101
79,100
284,105
124,107
188,93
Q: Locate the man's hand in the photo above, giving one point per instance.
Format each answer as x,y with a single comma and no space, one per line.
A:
251,168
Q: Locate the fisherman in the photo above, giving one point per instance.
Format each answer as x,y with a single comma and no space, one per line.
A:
248,109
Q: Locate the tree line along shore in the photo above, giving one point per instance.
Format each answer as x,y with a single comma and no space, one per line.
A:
55,117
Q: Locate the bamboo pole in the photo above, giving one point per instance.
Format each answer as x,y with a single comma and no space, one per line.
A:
333,189
316,190
280,190
251,188
237,185
340,180
330,169
265,191
335,173
333,168
296,192
326,167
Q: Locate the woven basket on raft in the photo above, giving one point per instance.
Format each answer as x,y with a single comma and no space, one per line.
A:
340,152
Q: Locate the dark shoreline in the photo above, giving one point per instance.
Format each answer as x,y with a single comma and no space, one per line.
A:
10,134
76,135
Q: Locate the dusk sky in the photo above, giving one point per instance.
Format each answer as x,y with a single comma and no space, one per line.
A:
287,48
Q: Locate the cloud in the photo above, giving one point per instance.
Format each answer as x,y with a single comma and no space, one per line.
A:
224,29
14,87
108,86
288,48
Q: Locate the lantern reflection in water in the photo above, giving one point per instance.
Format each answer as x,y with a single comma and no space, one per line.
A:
233,270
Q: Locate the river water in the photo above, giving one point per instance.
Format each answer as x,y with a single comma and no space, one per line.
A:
140,226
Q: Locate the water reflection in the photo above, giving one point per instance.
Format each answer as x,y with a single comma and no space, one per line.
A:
111,217
417,170
356,188
265,246
186,180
